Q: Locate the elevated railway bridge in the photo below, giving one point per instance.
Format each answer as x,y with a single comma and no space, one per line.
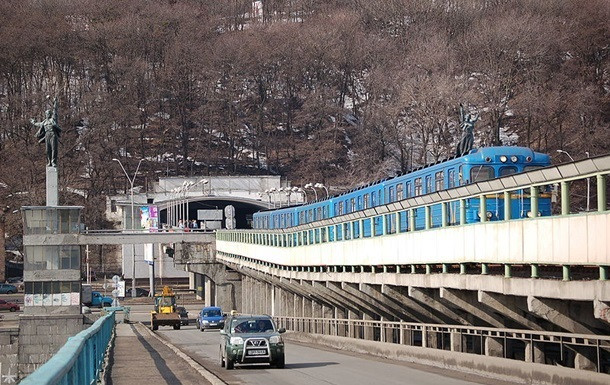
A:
533,290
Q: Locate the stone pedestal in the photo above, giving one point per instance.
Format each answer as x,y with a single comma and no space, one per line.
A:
52,187
41,336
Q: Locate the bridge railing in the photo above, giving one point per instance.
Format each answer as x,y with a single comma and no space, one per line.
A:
81,358
552,348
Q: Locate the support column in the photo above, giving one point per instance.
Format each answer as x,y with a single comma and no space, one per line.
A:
457,341
462,211
533,353
565,198
369,333
494,347
601,193
534,201
444,220
411,220
507,205
427,217
483,208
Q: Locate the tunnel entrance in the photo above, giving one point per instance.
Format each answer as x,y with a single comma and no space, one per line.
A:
243,210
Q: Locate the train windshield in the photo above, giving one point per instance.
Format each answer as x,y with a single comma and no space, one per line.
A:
508,170
481,173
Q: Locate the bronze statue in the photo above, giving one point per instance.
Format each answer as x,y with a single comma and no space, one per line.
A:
49,132
467,122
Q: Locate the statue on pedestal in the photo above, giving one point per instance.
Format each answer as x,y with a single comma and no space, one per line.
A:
49,133
467,122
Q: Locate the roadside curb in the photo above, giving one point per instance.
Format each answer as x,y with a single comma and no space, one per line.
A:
209,376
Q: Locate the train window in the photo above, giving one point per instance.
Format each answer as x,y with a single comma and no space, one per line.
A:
392,197
418,187
302,217
439,179
409,190
507,170
451,180
399,188
428,184
319,212
283,220
359,202
481,173
380,197
289,216
340,212
325,212
310,215
366,201
353,204
373,199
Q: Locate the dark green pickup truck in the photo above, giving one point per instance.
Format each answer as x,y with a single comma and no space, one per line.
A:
251,339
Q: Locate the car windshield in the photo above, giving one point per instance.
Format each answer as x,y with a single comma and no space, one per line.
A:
252,326
212,313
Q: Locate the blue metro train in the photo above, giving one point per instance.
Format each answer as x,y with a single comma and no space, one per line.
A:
476,166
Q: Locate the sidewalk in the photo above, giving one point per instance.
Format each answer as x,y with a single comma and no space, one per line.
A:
140,358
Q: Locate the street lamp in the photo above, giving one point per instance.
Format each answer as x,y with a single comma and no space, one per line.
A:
320,185
310,185
565,152
133,245
300,190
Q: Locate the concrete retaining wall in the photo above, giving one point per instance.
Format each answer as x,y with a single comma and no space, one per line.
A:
8,355
490,367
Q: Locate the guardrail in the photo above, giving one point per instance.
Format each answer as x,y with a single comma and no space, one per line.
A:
81,358
552,348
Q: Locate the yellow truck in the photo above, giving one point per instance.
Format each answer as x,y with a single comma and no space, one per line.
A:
165,313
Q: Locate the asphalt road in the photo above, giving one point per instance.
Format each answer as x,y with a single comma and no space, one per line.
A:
306,365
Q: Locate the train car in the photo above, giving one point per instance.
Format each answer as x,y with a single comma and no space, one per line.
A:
476,166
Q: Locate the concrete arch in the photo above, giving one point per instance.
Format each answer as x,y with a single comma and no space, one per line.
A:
244,207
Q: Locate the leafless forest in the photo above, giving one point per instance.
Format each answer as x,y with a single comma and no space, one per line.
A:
340,92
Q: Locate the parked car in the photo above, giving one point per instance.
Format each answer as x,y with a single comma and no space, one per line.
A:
7,288
5,305
14,280
210,318
249,339
139,292
184,315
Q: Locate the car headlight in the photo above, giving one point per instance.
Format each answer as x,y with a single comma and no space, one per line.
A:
275,340
236,341
205,322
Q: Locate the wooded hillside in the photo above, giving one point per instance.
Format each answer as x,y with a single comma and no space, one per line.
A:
339,92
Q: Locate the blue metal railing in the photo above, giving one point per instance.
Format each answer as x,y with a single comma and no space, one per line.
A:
80,360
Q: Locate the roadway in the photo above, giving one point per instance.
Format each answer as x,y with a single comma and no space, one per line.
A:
305,365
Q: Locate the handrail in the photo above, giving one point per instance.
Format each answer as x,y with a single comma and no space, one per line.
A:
404,333
81,358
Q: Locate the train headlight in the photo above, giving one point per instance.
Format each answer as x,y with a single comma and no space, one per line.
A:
514,159
489,215
503,158
528,159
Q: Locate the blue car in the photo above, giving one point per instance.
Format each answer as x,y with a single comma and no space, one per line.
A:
6,288
210,318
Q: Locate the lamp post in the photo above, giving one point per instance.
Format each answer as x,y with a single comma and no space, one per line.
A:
299,189
310,185
133,246
320,185
568,154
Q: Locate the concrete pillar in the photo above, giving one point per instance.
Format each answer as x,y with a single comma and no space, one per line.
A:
533,352
565,198
507,205
483,208
534,201
354,331
457,341
384,224
427,217
601,193
462,211
406,336
494,347
369,333
52,187
585,359
397,222
444,220
209,292
341,329
411,220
